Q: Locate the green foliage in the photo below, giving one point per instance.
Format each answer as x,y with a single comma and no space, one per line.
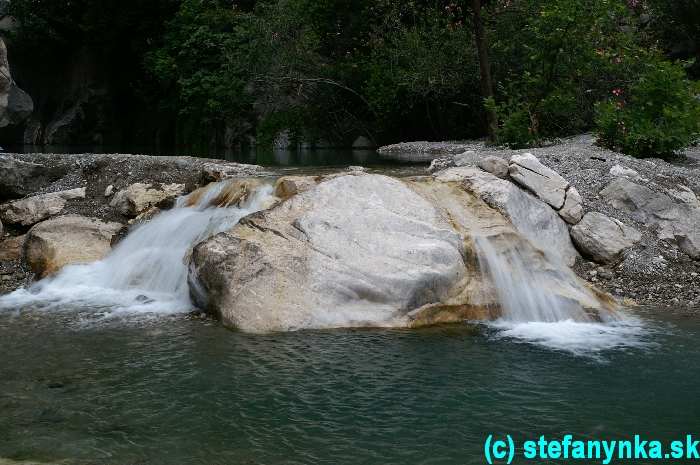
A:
657,115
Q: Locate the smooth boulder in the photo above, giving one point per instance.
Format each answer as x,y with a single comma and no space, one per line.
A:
289,186
367,257
546,183
67,240
139,197
603,239
31,210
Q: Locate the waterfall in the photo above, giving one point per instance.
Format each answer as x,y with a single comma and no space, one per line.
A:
147,271
543,301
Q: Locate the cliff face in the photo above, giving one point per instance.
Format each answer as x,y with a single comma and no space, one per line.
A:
15,104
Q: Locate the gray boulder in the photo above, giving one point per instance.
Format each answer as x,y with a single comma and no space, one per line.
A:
67,240
494,165
19,178
572,211
675,214
31,210
603,239
546,183
530,216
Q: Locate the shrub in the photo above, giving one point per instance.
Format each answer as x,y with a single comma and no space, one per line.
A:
657,115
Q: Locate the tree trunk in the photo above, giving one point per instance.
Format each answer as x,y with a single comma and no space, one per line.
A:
484,68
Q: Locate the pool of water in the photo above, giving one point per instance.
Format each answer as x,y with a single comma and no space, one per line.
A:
172,390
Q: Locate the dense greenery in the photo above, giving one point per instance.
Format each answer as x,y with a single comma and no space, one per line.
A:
327,71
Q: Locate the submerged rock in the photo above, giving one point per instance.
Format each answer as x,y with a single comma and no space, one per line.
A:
67,240
139,197
31,210
602,238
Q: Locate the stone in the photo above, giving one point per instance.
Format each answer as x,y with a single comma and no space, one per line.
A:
387,253
109,190
15,104
544,182
289,186
620,171
215,172
139,197
367,257
494,165
67,240
572,211
363,142
11,248
529,215
468,158
31,210
603,239
675,214
19,178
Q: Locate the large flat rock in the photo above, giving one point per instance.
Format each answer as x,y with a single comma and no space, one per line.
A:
546,183
34,209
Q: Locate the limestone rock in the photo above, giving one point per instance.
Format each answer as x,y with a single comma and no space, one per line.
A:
602,238
494,165
67,240
31,210
19,178
139,197
572,211
675,215
530,216
367,257
289,186
11,248
546,183
109,190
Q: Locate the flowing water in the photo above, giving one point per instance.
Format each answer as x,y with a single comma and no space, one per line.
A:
99,365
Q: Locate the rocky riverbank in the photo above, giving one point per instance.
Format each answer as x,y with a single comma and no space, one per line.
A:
630,227
652,203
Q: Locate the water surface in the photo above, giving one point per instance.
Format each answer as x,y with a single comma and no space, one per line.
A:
170,390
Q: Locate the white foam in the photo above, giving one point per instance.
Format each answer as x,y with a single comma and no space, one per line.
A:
146,273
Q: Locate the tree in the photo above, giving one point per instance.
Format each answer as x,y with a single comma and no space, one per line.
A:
484,69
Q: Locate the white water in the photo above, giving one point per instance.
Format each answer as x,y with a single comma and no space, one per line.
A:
146,273
541,303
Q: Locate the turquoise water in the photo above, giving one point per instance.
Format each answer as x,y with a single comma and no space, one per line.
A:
177,391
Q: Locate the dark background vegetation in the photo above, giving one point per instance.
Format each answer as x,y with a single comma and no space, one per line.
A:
223,73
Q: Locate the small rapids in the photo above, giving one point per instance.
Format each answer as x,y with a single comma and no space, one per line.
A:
146,273
550,306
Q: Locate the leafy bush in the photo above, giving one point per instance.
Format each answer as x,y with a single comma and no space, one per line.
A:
657,115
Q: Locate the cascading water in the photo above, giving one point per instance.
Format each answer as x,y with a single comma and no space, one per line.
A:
147,271
542,300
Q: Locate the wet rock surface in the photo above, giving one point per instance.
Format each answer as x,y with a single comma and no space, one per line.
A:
655,271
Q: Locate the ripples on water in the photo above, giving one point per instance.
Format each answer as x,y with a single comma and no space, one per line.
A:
173,391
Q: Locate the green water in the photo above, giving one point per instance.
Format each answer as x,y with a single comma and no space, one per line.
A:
175,391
